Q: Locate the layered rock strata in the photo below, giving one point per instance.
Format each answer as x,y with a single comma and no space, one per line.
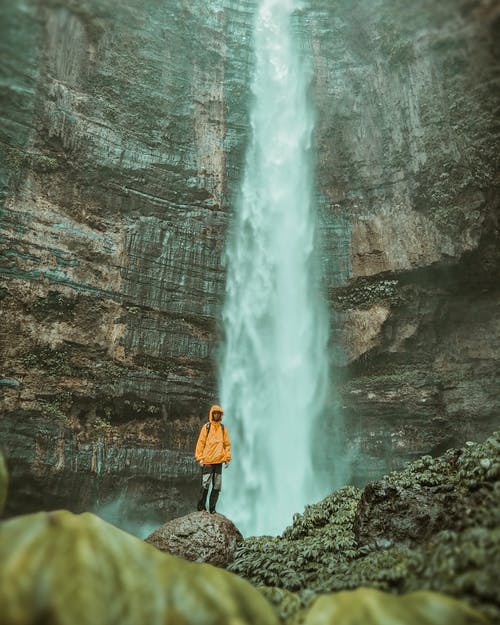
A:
408,183
115,137
122,142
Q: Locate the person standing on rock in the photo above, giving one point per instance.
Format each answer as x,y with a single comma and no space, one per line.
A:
213,449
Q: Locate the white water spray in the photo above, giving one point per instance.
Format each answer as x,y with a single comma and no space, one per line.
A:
275,367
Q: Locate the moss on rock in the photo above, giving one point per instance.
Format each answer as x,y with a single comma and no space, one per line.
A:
63,568
322,552
373,607
315,544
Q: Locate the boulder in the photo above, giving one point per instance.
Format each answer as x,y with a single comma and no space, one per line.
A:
68,569
373,607
200,537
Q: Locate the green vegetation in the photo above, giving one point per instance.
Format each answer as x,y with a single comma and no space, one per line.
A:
54,306
38,577
37,161
53,362
142,407
320,553
101,426
60,362
313,547
53,409
108,371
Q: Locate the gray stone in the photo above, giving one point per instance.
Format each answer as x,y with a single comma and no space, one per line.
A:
200,537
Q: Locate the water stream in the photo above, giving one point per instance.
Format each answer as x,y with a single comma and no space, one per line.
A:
274,372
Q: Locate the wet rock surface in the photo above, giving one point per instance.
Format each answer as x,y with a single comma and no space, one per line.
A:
409,195
390,515
119,473
114,210
121,156
199,537
452,492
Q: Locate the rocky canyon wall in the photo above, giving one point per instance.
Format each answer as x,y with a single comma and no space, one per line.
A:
408,172
122,139
116,134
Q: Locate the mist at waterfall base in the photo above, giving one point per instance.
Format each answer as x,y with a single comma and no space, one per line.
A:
118,512
274,376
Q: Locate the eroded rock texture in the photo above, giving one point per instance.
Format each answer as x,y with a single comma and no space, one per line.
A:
407,133
122,141
115,137
199,537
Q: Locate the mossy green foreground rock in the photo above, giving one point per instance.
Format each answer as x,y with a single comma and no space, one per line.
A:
59,568
63,569
366,606
3,483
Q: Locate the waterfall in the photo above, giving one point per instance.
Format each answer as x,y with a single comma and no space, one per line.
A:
274,370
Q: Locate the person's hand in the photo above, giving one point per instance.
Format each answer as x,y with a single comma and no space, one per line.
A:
227,464
201,463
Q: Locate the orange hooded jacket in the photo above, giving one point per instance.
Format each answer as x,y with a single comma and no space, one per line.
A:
214,446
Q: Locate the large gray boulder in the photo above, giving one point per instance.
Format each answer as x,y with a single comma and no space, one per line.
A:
200,537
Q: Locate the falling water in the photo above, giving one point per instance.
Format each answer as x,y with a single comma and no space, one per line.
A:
274,371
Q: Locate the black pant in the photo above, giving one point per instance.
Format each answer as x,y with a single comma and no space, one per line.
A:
210,473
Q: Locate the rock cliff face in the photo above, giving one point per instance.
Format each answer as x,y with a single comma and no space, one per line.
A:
116,132
122,138
408,134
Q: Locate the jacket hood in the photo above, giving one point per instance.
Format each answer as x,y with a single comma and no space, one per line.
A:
215,408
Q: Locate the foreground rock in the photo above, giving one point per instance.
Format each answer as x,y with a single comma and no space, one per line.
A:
67,569
79,570
372,607
200,537
433,526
